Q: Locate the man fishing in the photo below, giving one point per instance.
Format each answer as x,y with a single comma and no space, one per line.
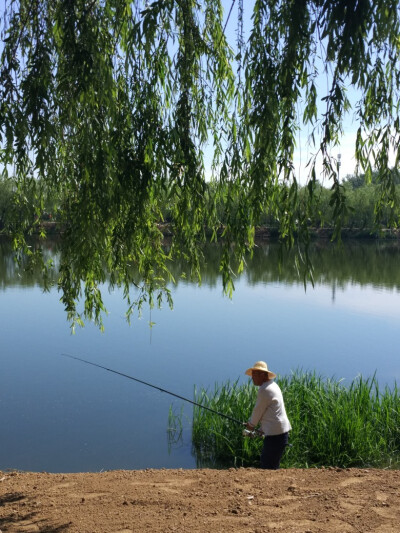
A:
269,411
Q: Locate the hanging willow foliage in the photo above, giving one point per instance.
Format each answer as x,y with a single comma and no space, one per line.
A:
111,104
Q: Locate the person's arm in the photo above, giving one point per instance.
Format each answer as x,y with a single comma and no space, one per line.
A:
263,402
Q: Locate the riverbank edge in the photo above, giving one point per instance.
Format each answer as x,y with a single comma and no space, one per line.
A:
261,232
244,500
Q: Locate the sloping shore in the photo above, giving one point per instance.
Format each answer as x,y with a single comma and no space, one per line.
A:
235,500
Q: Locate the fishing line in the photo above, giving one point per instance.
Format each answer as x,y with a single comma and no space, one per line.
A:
154,387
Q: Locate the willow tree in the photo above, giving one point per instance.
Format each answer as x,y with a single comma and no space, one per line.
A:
112,104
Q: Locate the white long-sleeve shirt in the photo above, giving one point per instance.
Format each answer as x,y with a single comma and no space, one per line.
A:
270,411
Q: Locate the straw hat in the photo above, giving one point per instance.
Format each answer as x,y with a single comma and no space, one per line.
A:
262,366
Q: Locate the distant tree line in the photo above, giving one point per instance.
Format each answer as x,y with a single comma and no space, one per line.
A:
11,210
361,198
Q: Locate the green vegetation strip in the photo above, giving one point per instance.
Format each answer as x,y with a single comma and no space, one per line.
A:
357,425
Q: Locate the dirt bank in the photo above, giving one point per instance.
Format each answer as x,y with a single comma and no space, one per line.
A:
242,500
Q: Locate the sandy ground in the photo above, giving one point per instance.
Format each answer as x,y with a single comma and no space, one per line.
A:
235,500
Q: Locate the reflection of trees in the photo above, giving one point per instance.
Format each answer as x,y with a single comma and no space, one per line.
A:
366,262
12,275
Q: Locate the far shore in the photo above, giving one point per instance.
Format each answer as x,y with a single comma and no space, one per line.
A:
262,232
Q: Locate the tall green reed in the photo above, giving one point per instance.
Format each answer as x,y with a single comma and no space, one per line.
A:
333,424
217,441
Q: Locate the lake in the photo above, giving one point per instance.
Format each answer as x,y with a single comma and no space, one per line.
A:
60,415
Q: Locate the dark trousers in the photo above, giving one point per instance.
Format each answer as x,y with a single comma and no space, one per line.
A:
274,446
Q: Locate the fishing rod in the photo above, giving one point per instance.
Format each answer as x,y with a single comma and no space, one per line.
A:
155,387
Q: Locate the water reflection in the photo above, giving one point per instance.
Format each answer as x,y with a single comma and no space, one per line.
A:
373,263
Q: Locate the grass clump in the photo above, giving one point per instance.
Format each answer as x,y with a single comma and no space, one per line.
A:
217,441
333,424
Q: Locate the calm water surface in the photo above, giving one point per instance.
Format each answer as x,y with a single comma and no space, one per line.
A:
59,415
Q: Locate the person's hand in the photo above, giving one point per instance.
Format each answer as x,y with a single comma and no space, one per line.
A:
249,426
